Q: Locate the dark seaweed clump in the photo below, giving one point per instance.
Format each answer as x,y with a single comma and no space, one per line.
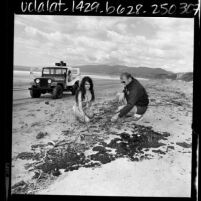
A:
124,145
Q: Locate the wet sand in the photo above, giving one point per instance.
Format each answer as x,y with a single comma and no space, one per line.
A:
151,157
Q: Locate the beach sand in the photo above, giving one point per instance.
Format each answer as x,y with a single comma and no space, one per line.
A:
52,153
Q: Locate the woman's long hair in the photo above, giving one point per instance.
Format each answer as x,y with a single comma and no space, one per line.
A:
82,89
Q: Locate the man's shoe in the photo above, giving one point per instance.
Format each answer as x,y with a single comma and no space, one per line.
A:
129,115
137,117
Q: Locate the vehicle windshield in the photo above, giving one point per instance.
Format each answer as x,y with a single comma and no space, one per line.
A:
74,71
54,71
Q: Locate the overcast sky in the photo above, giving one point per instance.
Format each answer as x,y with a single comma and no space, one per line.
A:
133,41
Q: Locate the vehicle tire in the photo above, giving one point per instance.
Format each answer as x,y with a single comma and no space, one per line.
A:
75,87
35,93
57,92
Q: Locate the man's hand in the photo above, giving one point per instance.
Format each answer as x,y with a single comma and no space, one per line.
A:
115,117
120,97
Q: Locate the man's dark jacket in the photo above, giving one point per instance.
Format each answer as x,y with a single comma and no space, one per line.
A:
135,94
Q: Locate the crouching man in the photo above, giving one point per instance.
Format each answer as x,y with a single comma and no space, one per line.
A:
134,99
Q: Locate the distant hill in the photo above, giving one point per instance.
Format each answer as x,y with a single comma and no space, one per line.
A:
140,72
143,72
185,76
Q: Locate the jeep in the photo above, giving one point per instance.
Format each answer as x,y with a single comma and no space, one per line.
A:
56,80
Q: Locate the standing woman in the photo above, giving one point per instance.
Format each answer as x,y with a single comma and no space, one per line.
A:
84,98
